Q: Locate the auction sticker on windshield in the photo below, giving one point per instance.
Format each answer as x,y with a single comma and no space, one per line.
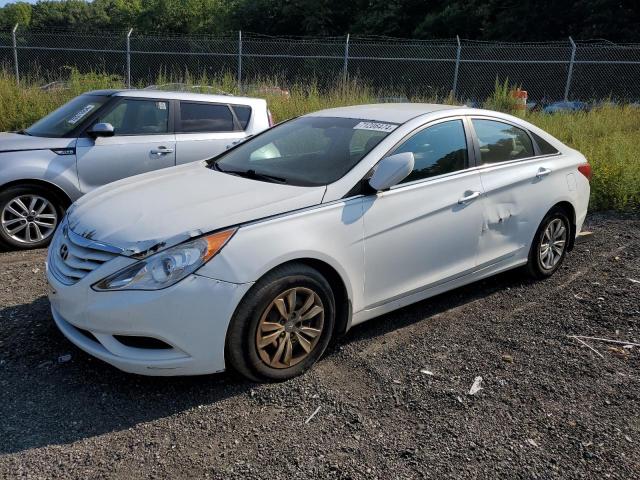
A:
376,126
80,114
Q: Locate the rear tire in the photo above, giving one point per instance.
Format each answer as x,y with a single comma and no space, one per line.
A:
268,339
29,215
549,246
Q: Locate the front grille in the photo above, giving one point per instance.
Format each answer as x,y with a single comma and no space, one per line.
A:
72,259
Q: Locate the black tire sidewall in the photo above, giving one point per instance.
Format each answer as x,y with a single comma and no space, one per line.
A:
535,265
242,353
13,192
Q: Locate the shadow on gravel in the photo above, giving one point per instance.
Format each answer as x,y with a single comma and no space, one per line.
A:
436,305
48,401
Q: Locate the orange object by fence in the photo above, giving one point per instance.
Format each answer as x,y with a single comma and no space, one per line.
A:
521,99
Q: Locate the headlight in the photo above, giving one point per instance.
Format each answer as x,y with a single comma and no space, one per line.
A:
168,267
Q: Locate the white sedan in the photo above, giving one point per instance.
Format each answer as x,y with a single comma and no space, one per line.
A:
258,258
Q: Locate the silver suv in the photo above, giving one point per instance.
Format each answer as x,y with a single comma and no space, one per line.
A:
103,136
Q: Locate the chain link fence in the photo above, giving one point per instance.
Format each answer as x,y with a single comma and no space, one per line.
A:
549,71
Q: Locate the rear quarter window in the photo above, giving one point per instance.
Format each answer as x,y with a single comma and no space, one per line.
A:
545,147
243,114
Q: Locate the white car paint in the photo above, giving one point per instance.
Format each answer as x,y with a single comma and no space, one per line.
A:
390,249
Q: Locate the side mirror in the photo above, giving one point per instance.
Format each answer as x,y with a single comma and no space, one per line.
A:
101,130
391,170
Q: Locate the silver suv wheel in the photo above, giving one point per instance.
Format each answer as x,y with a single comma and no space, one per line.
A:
29,219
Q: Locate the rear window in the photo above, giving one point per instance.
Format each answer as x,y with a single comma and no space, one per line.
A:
545,147
205,117
501,142
243,114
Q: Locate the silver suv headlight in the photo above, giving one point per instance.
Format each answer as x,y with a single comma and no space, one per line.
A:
168,267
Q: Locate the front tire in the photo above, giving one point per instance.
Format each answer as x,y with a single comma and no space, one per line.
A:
283,325
29,215
549,245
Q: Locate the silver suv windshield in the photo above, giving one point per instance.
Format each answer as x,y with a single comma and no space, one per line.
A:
62,121
306,151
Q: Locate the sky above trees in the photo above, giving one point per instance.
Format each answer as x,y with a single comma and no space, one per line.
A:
511,20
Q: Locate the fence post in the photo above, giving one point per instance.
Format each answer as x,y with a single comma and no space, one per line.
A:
455,72
570,74
15,52
239,61
129,58
345,68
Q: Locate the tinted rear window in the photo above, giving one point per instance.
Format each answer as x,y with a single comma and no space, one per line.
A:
501,142
203,117
243,114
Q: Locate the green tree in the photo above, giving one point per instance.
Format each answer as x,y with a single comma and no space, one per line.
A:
510,20
15,13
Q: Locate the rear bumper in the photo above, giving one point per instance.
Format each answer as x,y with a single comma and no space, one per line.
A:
191,318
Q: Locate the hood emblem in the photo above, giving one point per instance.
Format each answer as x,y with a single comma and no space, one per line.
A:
64,252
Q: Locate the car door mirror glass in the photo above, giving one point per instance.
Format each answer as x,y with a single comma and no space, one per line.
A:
101,130
391,170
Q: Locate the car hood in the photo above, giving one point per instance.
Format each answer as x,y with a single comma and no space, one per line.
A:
15,142
149,212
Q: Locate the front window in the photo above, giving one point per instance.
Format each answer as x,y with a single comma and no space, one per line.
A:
138,117
65,119
306,151
437,150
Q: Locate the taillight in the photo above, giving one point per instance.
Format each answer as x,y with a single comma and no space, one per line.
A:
270,118
585,169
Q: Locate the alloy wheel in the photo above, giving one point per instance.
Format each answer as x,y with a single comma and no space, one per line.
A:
29,219
554,241
290,327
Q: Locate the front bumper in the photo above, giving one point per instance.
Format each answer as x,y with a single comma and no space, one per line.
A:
191,317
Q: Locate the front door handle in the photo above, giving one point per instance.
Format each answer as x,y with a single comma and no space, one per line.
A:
161,151
469,197
543,172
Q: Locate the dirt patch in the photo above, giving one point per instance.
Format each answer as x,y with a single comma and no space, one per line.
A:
549,407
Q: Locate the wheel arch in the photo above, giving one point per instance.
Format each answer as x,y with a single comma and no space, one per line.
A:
340,293
56,190
338,285
570,211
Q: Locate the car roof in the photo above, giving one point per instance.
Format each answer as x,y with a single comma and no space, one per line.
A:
202,97
384,112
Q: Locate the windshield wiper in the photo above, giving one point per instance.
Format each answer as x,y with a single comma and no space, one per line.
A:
23,132
252,174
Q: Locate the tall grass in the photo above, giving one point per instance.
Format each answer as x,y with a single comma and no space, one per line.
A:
22,104
608,136
502,98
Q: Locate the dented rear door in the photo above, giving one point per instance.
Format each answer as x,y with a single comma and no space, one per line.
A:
516,195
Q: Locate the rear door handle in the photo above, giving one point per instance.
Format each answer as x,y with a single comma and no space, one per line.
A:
543,172
161,151
467,198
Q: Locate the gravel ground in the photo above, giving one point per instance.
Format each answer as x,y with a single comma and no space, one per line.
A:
549,407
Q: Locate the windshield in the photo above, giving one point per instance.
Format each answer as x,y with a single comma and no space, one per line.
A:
306,151
62,121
